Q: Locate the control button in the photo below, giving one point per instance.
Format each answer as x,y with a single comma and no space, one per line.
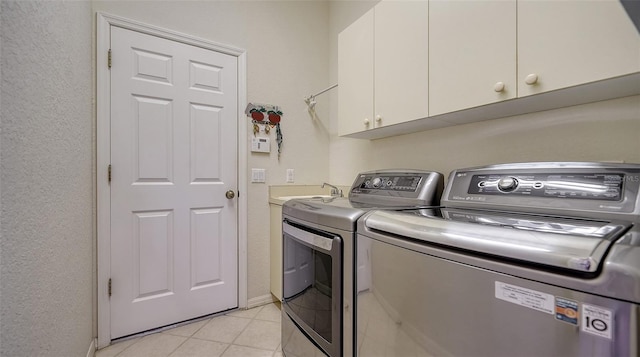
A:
507,184
538,185
481,184
377,182
389,183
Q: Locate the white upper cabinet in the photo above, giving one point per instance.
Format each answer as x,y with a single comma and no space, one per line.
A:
407,66
567,43
473,54
383,67
355,76
401,77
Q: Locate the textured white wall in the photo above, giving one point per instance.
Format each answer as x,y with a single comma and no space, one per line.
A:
46,179
287,60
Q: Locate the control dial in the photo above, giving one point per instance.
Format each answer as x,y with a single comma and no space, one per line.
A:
507,184
376,182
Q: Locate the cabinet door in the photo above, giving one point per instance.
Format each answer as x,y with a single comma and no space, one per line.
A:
401,75
472,48
566,43
355,76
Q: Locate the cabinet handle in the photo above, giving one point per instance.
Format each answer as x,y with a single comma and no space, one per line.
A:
378,118
366,121
531,79
498,87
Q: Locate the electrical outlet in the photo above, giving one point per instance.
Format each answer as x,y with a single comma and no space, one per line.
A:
258,175
290,176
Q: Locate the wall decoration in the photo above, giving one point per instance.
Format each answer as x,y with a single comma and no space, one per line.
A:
274,115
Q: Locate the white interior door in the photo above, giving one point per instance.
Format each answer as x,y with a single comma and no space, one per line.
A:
174,238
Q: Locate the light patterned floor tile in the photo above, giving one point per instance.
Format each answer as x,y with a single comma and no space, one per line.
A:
114,349
244,333
260,334
156,345
222,329
241,351
248,314
187,330
269,313
194,347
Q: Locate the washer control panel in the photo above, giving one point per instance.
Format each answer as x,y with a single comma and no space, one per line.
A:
594,186
399,188
391,182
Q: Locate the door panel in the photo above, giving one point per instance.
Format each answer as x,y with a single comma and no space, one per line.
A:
174,155
578,42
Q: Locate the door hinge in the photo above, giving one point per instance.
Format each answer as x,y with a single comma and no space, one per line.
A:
109,173
109,59
109,287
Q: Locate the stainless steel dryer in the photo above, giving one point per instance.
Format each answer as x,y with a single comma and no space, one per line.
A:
533,259
318,234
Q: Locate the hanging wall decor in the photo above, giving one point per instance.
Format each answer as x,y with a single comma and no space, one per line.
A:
274,115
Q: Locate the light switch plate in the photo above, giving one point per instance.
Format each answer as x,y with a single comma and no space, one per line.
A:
290,176
258,175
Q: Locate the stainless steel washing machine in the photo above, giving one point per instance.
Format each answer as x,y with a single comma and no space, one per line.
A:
318,272
532,259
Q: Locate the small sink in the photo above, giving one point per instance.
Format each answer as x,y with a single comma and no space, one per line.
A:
286,198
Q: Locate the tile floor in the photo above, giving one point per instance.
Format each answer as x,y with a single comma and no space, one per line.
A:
245,333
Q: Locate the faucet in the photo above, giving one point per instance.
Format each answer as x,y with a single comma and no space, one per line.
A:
334,190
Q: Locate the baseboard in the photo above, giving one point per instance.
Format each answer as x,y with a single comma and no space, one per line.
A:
92,348
260,300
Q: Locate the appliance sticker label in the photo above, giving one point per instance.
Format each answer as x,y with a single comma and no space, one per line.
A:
525,297
567,310
597,320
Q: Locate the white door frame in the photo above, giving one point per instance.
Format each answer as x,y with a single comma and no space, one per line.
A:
103,149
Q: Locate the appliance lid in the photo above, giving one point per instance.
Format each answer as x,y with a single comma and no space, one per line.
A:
334,212
572,245
388,189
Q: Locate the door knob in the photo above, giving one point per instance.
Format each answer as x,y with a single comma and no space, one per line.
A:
230,194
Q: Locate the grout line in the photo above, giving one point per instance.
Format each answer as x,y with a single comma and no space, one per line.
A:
175,349
253,318
126,348
187,338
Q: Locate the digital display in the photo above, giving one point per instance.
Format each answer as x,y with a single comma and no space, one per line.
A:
391,183
606,187
405,181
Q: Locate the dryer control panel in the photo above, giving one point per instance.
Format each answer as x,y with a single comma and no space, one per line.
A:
592,190
594,186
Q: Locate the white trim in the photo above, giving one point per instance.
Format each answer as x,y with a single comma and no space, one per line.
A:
103,149
103,158
92,348
243,187
170,35
260,300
